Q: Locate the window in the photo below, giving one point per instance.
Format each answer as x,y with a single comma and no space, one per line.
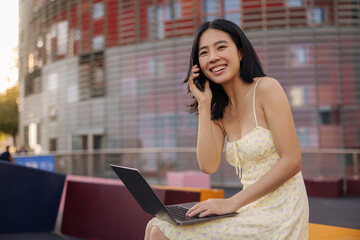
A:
299,56
77,34
317,16
52,81
294,3
80,142
325,117
329,116
230,5
98,43
156,22
233,17
33,82
98,142
49,43
227,9
32,136
72,93
232,11
307,136
210,9
98,84
52,144
191,121
91,79
62,37
159,122
98,10
299,96
173,10
172,121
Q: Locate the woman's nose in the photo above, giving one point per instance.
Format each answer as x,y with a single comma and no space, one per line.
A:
213,57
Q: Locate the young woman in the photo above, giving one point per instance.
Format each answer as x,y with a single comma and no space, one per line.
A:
250,113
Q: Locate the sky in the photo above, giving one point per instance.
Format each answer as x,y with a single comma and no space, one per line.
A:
9,21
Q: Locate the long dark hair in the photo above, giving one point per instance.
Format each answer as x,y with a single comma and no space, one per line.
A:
250,66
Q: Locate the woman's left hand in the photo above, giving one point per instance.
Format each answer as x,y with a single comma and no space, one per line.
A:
212,206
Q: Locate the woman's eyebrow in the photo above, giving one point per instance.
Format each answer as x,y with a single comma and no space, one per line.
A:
216,43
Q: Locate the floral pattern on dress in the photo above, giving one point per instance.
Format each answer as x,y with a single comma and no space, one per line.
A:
281,214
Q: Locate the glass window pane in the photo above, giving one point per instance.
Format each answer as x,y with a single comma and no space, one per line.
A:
52,144
299,55
317,16
62,39
98,10
234,17
295,3
299,96
173,10
210,6
98,43
231,5
307,136
210,18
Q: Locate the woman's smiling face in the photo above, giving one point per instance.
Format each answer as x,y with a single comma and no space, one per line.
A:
219,58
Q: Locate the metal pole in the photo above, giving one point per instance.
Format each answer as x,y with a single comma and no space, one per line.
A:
159,168
355,165
345,176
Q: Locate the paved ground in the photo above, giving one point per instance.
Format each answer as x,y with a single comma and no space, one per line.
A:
341,212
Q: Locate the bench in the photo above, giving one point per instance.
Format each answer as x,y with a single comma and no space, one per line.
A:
329,187
106,210
353,186
93,208
322,232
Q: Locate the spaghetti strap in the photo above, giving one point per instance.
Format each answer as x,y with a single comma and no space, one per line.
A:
254,102
222,128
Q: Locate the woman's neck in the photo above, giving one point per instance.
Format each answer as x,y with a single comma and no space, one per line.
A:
236,90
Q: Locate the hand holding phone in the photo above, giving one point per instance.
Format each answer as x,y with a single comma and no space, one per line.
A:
198,85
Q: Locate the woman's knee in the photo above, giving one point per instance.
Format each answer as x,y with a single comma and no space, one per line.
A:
148,230
157,234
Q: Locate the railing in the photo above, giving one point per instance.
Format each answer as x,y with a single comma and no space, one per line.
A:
155,162
152,162
343,163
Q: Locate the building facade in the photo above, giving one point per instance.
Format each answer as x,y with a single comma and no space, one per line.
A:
108,74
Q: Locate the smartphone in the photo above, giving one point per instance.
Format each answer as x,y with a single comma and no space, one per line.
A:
199,85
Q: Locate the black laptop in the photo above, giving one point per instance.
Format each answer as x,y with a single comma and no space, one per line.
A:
146,197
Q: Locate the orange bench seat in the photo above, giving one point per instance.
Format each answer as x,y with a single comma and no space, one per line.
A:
322,232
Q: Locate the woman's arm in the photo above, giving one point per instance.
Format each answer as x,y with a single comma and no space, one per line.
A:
210,139
273,101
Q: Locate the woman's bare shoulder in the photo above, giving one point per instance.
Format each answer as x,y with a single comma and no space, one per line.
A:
270,89
269,83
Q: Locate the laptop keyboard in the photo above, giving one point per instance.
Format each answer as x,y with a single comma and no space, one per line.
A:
179,213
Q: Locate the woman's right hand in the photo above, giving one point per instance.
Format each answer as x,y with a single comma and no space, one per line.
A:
201,97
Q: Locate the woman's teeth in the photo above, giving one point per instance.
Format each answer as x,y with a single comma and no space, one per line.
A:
216,69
